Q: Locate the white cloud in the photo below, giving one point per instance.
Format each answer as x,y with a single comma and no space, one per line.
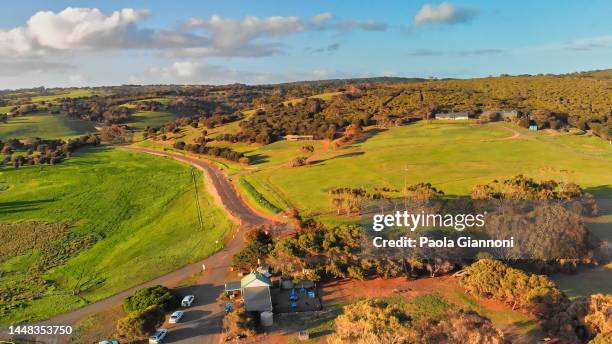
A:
189,72
444,13
253,36
586,44
72,28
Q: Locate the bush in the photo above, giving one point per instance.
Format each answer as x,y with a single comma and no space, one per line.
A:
463,327
373,321
535,294
152,296
240,324
139,325
599,317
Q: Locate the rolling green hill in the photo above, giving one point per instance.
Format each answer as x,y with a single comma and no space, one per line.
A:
44,125
121,218
453,157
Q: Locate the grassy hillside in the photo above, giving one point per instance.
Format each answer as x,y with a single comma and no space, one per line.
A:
453,157
44,125
139,210
76,93
142,119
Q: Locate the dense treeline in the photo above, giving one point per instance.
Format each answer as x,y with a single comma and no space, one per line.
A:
95,109
547,101
39,151
275,121
221,152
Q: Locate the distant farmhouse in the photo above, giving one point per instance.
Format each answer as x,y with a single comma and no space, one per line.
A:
452,115
299,137
255,289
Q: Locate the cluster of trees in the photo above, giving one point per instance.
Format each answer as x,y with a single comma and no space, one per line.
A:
552,101
580,320
96,109
347,200
145,312
377,321
525,188
23,110
116,133
39,151
221,152
149,105
273,122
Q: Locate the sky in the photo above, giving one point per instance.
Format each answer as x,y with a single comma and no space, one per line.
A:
96,43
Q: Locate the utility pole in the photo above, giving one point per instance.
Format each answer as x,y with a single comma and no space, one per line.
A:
197,197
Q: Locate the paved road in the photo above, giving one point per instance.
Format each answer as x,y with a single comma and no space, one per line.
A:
203,321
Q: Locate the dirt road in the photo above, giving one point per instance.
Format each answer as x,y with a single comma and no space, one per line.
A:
203,321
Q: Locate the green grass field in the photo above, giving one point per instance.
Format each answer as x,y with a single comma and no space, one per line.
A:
142,119
76,93
141,208
453,157
322,96
44,125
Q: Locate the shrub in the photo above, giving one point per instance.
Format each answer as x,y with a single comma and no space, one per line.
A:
373,321
599,317
463,327
139,325
152,296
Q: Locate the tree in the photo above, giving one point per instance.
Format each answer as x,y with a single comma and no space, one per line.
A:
152,296
308,149
299,161
599,317
258,246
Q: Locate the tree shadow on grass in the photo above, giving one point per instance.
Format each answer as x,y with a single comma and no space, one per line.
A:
21,206
258,159
340,156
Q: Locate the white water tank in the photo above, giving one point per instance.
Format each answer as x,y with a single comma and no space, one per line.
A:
267,319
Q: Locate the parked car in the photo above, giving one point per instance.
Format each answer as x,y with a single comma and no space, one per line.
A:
176,317
187,301
159,336
110,341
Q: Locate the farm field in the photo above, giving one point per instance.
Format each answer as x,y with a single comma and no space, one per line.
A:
141,119
453,157
76,93
120,223
44,125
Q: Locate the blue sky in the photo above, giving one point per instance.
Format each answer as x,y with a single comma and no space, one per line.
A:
76,43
